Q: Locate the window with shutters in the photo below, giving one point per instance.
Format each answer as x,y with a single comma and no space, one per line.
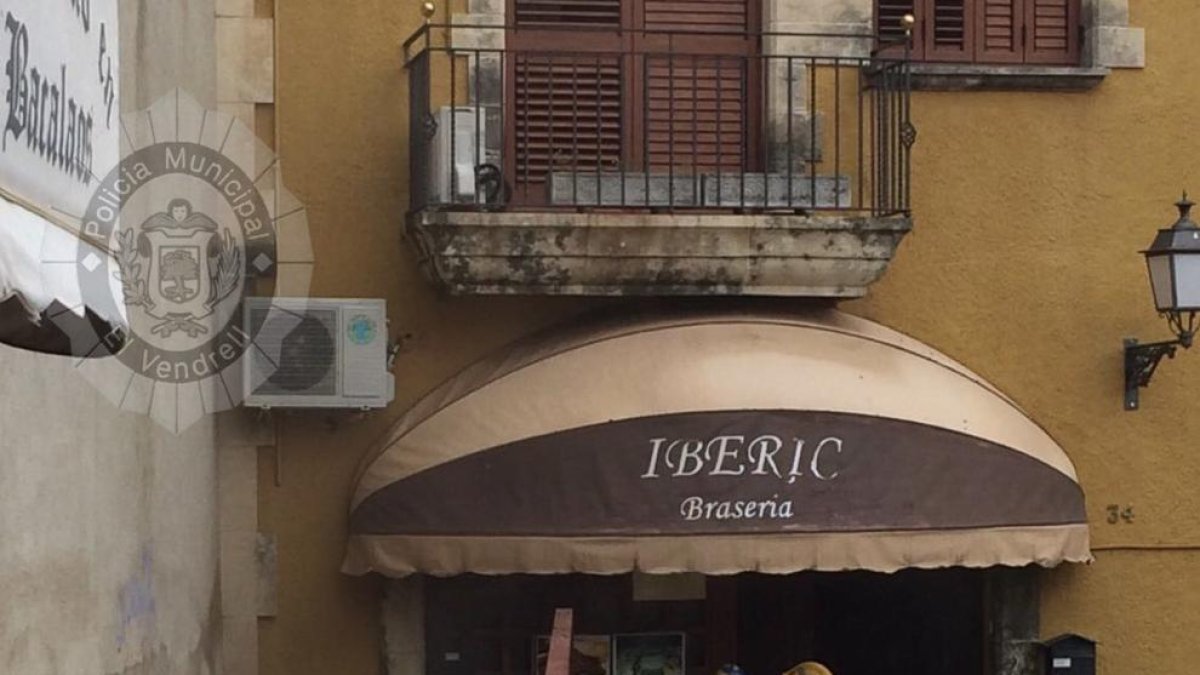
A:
650,86
1041,32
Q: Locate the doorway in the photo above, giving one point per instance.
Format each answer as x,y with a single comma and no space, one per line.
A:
863,623
856,623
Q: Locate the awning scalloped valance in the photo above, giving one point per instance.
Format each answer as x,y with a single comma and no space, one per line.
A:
43,306
715,442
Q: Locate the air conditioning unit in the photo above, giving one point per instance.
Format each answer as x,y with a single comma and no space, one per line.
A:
316,353
467,126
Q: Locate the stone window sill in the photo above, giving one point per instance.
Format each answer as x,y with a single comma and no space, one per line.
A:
976,77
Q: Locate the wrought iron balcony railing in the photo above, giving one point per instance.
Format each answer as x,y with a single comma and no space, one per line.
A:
507,119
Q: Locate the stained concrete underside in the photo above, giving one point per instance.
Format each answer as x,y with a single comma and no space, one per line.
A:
655,254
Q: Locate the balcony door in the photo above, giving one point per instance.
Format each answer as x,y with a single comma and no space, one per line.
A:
626,92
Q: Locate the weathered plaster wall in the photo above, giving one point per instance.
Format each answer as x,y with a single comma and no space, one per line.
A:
1023,265
108,542
107,539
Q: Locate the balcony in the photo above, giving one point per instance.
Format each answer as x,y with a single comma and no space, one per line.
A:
651,163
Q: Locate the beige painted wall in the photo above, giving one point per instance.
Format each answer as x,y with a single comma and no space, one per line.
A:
108,533
1030,208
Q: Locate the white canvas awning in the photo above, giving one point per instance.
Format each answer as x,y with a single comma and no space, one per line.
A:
43,306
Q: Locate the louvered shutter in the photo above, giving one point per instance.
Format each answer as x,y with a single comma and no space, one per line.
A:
695,118
565,90
710,16
947,30
1052,31
568,118
998,26
944,30
671,88
986,31
889,26
697,85
567,14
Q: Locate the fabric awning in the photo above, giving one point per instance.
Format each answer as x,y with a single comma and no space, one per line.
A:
715,442
42,305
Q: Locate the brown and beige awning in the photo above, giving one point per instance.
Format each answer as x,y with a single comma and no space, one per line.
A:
715,442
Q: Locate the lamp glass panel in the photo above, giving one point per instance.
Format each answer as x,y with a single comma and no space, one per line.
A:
1187,281
1161,282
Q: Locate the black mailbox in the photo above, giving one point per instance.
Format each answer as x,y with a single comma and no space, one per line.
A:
1070,654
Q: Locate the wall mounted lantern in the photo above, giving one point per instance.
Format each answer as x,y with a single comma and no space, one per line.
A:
1173,260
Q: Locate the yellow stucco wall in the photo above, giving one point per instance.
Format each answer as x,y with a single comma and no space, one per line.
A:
341,112
1030,208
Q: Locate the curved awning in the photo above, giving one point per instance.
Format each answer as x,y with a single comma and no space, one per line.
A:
43,306
715,443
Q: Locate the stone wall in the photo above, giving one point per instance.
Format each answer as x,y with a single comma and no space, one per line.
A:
245,89
1109,41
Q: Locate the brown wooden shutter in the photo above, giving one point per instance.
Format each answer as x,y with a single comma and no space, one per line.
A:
986,31
699,70
721,16
695,121
947,30
1051,31
670,88
567,13
565,89
998,25
889,25
944,29
568,117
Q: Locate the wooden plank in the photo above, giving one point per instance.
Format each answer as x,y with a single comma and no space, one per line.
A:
558,662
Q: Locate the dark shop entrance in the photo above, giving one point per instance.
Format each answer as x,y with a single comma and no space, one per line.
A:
853,623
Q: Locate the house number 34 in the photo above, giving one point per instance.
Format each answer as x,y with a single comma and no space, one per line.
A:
1118,514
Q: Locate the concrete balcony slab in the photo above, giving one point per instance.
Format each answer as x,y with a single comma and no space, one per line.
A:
612,254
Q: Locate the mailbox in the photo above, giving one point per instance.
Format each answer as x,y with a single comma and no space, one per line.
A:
1070,654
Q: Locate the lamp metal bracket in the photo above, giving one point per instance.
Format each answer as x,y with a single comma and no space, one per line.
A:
1140,364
